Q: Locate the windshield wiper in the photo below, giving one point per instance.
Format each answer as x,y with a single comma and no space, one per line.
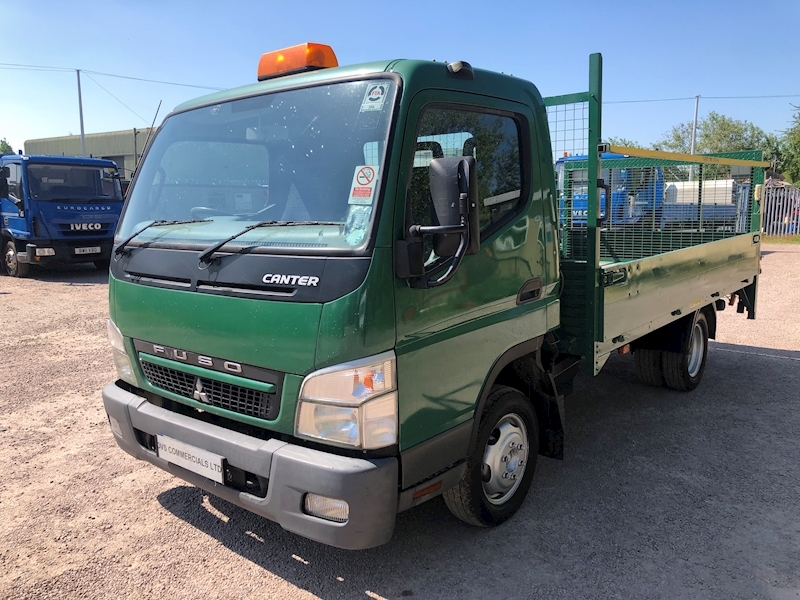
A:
206,257
120,249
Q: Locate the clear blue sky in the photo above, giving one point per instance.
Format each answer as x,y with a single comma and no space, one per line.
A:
651,50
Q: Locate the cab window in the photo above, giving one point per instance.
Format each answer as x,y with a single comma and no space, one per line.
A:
492,139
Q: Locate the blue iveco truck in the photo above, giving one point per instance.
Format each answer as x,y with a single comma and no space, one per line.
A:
57,209
636,191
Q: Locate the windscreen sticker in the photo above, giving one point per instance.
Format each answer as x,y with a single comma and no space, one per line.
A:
355,228
375,97
362,190
242,201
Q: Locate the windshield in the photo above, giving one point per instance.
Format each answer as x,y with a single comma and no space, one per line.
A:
72,182
310,155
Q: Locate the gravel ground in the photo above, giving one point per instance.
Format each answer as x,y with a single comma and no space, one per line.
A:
662,495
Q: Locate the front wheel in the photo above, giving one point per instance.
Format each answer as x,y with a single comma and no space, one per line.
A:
500,470
12,264
683,370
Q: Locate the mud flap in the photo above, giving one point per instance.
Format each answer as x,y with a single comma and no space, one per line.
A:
747,299
551,442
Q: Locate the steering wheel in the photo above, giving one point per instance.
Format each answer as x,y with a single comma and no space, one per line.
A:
202,212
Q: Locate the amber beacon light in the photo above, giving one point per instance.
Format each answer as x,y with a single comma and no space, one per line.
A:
303,57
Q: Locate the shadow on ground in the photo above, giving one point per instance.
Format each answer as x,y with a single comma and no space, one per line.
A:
662,494
78,274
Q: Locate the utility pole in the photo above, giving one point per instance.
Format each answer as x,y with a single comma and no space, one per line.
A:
80,111
135,150
694,124
694,134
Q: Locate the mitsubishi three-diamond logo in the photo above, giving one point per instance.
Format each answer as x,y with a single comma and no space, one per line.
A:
199,393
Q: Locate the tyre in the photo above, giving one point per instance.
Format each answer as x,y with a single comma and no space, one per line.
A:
500,470
683,370
648,366
11,261
102,265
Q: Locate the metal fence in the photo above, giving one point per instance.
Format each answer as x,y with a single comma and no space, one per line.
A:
650,205
569,129
781,210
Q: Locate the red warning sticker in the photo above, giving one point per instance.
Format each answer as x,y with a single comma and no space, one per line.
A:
362,190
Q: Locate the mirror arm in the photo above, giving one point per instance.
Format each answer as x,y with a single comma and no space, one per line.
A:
424,283
418,230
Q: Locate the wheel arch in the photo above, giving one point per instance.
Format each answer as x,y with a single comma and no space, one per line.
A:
520,367
675,336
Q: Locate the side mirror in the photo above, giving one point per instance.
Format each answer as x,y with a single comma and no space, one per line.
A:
5,172
456,228
454,191
3,186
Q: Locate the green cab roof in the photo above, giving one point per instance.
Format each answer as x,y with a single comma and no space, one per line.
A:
286,81
425,73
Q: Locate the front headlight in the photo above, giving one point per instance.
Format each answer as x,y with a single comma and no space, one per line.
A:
354,404
121,359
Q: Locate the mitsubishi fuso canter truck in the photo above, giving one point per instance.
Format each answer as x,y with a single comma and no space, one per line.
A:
339,292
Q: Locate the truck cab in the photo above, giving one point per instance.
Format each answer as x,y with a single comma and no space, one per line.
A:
57,209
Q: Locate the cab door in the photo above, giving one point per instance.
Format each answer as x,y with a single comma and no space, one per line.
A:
449,337
12,205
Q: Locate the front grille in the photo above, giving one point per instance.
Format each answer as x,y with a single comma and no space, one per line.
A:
67,232
238,399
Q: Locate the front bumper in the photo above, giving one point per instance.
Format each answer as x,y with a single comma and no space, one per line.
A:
368,486
65,252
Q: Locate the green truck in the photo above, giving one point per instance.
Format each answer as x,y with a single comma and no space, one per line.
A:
339,292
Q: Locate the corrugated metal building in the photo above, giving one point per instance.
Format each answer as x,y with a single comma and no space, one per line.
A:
123,147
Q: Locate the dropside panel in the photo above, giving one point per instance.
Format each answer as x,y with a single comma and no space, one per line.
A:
642,295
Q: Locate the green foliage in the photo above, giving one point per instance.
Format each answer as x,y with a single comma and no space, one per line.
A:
718,133
5,147
621,141
677,139
789,157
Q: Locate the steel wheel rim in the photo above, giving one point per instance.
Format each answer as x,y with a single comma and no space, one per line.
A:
505,459
696,351
11,260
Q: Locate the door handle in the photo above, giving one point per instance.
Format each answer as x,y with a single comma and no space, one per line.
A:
530,290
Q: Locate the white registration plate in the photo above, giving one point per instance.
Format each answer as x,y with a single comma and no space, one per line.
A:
194,459
89,250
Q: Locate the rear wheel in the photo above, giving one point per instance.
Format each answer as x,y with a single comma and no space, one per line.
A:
683,370
648,366
500,470
12,264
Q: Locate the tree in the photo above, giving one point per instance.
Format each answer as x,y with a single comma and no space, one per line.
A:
5,147
789,157
718,133
624,142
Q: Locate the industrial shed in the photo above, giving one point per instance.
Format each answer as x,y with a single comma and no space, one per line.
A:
123,147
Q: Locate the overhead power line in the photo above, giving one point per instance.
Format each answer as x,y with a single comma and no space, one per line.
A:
751,97
114,97
653,100
20,67
189,85
23,67
704,97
